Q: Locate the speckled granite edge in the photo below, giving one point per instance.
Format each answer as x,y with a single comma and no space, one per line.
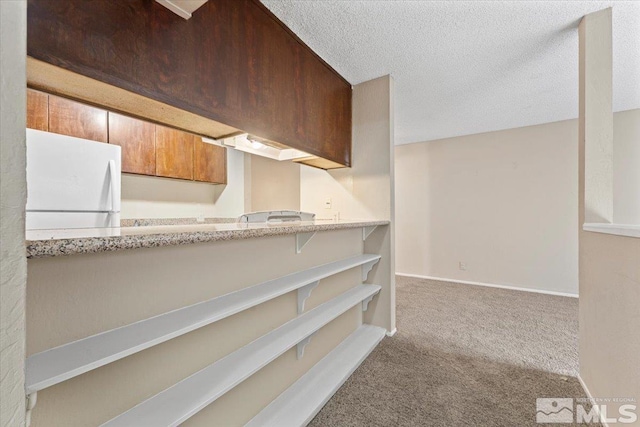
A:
146,222
88,245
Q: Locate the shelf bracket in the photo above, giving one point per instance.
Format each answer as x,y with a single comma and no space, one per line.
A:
31,403
301,345
366,231
302,239
366,301
366,268
304,293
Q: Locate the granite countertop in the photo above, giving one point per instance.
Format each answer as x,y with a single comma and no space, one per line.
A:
48,243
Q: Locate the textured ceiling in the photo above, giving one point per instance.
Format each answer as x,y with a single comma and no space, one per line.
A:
465,67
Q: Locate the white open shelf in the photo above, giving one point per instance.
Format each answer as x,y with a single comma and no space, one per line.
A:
626,230
297,405
184,399
62,363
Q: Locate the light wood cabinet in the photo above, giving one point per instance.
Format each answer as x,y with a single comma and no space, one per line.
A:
137,139
37,110
174,153
75,119
147,148
209,162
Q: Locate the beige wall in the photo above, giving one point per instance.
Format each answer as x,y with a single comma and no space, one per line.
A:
504,203
626,167
609,273
609,315
152,197
366,190
13,265
274,185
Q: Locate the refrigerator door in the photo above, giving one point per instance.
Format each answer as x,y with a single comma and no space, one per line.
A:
59,220
71,182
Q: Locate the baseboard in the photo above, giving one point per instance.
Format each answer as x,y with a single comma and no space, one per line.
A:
590,396
392,332
490,285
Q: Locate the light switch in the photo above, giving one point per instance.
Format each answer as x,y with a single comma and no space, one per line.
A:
327,203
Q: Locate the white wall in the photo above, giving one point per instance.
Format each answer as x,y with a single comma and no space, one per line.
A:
319,186
274,185
152,197
504,203
13,191
626,167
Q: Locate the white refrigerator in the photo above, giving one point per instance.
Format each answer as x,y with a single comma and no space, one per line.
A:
71,182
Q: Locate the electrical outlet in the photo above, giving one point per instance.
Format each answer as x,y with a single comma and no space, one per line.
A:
327,203
462,266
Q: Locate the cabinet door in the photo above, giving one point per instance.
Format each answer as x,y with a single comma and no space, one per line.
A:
174,153
234,63
37,110
75,119
137,139
209,162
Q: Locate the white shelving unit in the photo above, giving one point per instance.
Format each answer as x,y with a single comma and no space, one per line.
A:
62,363
297,405
627,230
181,401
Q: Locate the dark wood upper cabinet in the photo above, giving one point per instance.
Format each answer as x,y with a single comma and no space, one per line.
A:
209,162
37,110
137,139
174,153
74,119
233,62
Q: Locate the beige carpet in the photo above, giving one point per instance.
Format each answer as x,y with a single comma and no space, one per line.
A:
463,356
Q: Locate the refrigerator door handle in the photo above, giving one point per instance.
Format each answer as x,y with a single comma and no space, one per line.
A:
115,188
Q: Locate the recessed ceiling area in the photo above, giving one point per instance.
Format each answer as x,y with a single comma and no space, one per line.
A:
463,67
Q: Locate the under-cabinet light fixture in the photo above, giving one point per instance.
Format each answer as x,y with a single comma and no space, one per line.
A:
258,146
182,8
